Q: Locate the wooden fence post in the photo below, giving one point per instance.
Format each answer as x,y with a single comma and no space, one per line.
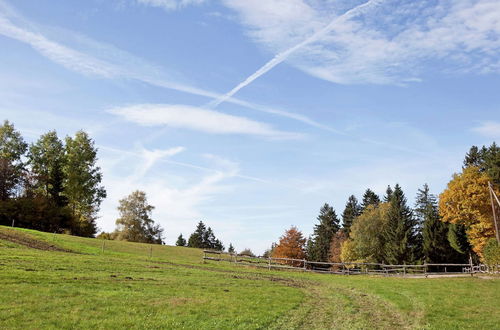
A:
103,244
471,266
151,252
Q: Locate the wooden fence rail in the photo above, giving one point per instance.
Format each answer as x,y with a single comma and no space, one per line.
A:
348,268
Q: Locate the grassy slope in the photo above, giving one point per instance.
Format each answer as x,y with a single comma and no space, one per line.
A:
123,287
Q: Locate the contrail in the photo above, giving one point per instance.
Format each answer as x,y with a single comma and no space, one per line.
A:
285,54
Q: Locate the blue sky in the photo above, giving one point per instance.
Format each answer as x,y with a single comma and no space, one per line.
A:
250,114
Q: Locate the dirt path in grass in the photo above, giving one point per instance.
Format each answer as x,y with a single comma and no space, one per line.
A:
20,238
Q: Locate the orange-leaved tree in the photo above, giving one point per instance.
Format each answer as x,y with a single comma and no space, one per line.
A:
291,245
466,201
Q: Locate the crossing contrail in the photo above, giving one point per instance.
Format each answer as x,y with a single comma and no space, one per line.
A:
285,54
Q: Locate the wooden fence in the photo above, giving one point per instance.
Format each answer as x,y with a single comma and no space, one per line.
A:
350,268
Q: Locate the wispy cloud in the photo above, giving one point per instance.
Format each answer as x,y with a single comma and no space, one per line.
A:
282,56
170,4
489,129
178,198
198,119
93,58
394,43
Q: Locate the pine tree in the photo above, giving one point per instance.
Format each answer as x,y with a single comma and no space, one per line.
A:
231,248
352,211
435,245
323,234
181,241
399,235
369,198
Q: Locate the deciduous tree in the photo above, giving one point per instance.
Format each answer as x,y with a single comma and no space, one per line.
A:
366,242
291,245
12,167
82,184
135,223
466,201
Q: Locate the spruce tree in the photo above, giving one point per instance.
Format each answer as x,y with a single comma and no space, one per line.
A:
323,234
369,198
204,238
457,238
388,194
352,211
435,245
399,235
231,249
487,159
196,238
181,241
46,158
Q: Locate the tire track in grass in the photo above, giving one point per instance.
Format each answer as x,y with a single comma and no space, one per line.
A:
331,307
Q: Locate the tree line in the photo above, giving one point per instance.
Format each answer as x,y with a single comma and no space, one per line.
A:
452,228
50,185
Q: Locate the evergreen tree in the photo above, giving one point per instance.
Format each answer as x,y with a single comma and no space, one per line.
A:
323,234
12,148
82,182
204,238
369,198
388,194
196,238
180,241
352,211
399,235
457,238
135,223
487,159
46,158
435,245
231,248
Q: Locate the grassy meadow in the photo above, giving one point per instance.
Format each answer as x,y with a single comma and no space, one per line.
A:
61,281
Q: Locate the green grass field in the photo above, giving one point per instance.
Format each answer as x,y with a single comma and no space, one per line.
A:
61,281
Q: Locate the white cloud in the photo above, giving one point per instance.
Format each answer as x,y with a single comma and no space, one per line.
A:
489,129
170,4
282,56
198,119
92,58
177,198
393,42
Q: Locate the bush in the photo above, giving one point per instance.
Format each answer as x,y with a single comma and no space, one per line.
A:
492,253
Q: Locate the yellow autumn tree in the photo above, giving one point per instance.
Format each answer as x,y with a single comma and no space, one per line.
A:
466,201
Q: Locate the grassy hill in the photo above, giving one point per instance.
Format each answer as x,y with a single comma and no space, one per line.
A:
61,281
